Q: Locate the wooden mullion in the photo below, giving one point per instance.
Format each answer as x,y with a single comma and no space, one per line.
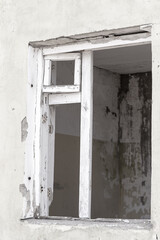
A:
47,144
85,183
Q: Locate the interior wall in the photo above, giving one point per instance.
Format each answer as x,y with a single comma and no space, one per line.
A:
122,161
105,169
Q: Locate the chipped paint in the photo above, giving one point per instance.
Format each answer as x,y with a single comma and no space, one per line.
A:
50,194
44,118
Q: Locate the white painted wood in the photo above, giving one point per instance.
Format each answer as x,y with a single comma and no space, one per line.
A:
47,145
44,156
51,152
66,57
54,73
61,89
36,69
47,72
63,57
39,150
100,44
66,98
77,70
51,141
85,183
30,140
155,189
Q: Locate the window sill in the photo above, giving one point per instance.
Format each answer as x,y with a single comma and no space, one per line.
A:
141,224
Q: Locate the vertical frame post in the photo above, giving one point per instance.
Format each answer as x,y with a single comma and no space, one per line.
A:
31,179
37,125
155,189
77,70
47,144
86,136
51,139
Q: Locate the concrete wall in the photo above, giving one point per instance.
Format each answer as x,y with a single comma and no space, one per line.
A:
122,158
24,21
105,178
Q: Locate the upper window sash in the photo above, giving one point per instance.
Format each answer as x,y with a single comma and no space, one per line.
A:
53,88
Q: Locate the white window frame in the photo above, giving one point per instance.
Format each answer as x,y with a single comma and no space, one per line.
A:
38,178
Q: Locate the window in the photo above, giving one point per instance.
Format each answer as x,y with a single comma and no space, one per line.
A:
53,92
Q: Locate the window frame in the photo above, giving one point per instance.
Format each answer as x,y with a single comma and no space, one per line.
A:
38,203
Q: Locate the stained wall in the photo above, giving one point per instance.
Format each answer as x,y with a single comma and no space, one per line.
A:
135,145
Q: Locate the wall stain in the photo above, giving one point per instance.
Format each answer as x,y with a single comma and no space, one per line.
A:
145,91
107,111
134,145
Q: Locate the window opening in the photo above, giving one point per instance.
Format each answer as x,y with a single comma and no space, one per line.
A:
121,173
66,167
65,72
66,69
111,170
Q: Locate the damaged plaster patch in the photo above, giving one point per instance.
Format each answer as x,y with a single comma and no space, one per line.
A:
24,127
26,195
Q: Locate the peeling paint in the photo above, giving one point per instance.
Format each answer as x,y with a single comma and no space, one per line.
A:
50,194
44,118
